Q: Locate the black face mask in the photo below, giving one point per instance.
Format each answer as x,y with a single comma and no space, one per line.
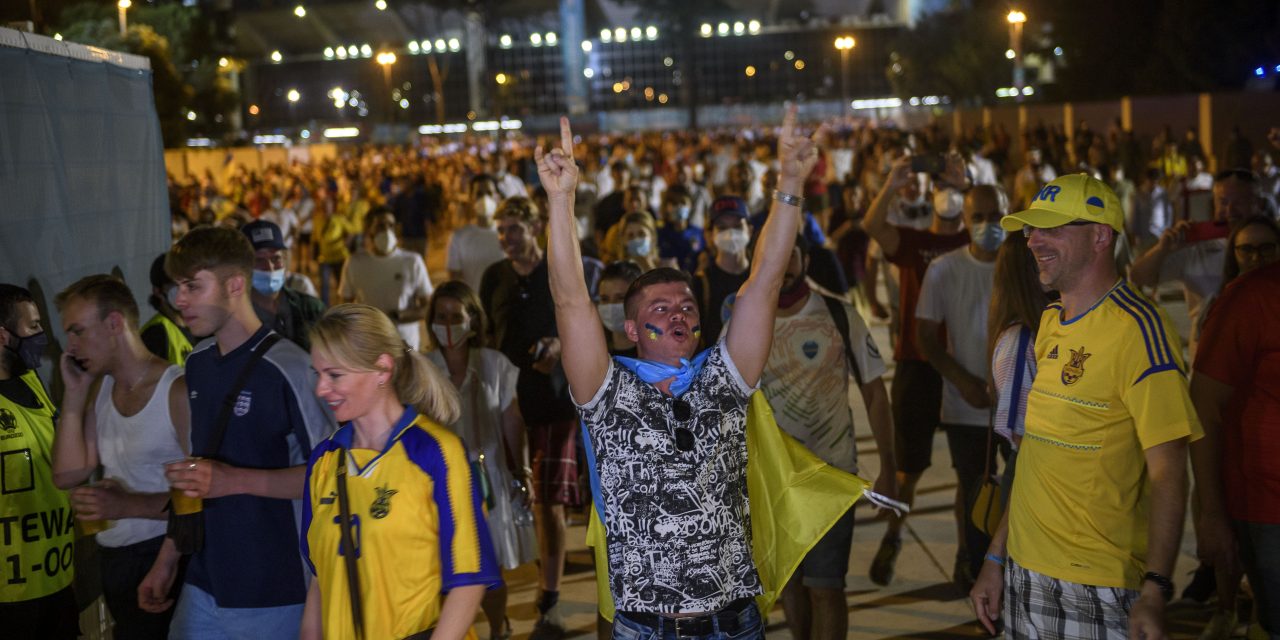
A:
29,348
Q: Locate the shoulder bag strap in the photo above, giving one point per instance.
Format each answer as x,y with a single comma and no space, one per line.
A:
229,402
841,318
348,546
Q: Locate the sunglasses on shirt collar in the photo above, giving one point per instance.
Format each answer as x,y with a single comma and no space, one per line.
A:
681,410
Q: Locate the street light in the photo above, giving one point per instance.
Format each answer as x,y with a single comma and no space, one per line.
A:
1016,20
386,59
123,5
844,44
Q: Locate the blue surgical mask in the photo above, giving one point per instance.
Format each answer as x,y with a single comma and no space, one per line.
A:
268,282
680,214
638,247
987,235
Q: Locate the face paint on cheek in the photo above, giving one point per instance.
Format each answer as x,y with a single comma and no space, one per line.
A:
697,331
654,332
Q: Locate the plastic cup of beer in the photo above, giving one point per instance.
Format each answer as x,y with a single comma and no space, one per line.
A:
182,503
91,527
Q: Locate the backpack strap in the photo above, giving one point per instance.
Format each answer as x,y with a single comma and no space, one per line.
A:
835,307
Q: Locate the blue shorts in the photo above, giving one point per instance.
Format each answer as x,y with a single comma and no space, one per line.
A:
197,616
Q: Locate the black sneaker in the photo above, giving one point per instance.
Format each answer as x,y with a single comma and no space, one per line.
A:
1203,585
882,565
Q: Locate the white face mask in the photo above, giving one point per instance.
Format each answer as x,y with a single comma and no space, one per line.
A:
612,315
948,203
385,241
450,335
485,207
732,240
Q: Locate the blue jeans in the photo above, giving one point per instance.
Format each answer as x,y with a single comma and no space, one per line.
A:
1260,554
749,625
197,616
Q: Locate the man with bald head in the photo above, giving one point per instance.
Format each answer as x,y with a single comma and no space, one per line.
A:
955,296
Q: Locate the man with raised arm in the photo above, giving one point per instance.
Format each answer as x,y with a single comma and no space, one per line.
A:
666,432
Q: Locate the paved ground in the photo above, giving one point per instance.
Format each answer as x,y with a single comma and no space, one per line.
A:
921,603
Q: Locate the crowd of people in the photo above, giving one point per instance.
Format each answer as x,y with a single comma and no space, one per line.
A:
612,302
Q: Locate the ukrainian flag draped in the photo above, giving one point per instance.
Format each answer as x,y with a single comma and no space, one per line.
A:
795,499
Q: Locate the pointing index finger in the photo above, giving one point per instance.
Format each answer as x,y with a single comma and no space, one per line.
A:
566,136
789,121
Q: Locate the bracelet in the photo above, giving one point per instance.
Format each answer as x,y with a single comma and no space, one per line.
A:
787,198
996,559
1165,584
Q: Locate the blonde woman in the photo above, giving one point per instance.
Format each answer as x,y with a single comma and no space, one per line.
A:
423,556
491,425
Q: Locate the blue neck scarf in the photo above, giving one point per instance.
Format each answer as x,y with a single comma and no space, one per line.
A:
655,372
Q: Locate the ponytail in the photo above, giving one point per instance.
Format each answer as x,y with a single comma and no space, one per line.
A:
420,383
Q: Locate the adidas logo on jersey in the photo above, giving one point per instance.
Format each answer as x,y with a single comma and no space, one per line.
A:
1053,353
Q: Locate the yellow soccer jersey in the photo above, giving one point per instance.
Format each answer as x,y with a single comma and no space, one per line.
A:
1109,384
37,530
417,525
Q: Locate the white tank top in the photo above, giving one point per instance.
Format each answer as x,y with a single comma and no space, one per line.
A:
133,451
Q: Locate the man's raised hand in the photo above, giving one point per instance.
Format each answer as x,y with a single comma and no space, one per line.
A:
556,169
797,154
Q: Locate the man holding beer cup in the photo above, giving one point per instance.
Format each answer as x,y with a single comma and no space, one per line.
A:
126,410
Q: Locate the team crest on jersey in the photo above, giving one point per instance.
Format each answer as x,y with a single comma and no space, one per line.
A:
242,404
382,504
810,349
7,421
1053,353
1074,370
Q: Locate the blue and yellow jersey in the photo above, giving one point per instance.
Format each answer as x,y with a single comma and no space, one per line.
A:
1109,384
36,550
416,521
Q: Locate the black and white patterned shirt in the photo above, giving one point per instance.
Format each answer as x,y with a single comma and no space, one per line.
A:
677,523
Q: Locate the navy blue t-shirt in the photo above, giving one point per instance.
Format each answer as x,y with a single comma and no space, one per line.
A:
685,245
250,556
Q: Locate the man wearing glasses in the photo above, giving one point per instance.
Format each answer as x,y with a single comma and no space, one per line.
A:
1097,505
666,432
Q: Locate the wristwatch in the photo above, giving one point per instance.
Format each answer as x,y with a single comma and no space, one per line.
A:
1165,584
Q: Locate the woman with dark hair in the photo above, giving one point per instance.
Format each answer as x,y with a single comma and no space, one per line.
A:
491,425
1017,301
1251,245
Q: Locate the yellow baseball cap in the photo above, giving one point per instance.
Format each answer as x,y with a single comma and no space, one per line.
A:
1078,196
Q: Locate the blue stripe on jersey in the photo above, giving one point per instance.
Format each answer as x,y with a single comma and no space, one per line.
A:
1164,367
424,451
1152,355
326,446
1157,322
428,453
1024,336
